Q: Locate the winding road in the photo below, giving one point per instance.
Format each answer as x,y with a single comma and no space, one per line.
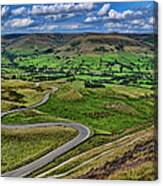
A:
84,133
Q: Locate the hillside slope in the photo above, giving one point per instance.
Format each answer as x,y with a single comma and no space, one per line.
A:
66,42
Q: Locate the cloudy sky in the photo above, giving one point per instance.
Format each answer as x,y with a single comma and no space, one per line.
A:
122,17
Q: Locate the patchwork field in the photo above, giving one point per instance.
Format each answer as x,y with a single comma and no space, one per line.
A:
95,59
104,82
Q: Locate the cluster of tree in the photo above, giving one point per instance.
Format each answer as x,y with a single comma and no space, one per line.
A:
91,84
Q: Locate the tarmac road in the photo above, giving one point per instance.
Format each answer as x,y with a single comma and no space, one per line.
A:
84,133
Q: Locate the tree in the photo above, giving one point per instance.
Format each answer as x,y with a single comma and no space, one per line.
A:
121,69
13,76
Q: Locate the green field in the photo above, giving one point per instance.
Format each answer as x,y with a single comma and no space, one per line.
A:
117,68
104,110
118,60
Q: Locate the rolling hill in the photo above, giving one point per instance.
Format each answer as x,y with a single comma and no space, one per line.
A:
85,43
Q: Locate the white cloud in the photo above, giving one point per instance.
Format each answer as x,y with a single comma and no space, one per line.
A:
19,22
117,25
48,27
113,14
130,13
90,19
139,22
127,13
136,25
104,9
57,17
19,11
60,7
44,9
151,21
138,13
43,28
51,27
4,10
83,6
75,26
72,26
147,26
70,15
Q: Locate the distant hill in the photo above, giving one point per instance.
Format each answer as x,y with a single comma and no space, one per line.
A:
75,43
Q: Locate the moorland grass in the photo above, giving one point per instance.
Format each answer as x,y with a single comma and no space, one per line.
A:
90,155
102,110
133,153
90,145
18,93
21,146
146,171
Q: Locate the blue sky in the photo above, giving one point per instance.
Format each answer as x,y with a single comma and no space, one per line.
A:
121,17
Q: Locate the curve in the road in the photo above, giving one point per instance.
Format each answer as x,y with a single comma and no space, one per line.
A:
84,133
